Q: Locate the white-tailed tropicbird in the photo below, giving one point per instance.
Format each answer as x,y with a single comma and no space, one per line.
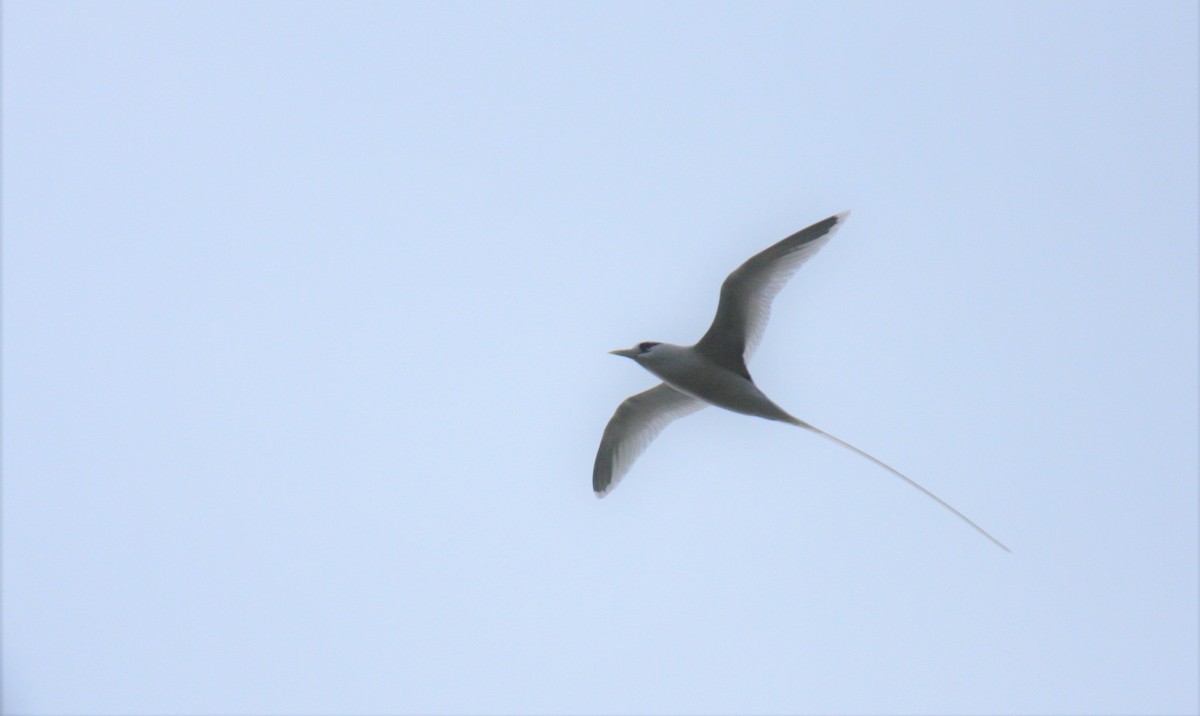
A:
713,371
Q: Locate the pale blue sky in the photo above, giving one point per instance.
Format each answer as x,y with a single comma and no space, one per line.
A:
306,310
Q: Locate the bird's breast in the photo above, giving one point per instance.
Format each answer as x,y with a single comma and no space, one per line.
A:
691,373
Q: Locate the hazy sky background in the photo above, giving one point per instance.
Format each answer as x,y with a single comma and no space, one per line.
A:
306,311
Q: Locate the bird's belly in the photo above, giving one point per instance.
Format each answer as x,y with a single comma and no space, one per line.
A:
724,389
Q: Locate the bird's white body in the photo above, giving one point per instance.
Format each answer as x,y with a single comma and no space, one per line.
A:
691,372
713,371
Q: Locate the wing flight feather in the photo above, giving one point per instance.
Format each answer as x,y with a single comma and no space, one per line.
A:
748,292
633,427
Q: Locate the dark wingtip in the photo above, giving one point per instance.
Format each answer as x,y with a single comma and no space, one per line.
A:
824,226
601,485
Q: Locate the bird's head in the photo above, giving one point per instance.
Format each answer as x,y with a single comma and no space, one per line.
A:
641,349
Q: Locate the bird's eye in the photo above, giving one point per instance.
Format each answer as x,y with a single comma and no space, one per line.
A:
643,347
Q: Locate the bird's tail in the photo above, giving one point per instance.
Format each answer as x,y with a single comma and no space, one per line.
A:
902,476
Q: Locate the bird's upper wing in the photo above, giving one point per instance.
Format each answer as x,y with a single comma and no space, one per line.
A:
747,294
633,427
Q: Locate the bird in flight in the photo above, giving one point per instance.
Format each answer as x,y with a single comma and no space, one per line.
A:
713,371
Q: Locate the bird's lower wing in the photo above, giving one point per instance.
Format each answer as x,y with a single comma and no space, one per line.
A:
633,427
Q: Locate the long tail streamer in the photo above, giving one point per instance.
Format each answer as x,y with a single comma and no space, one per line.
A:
907,479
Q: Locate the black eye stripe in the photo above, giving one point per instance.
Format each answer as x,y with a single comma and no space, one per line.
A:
643,347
